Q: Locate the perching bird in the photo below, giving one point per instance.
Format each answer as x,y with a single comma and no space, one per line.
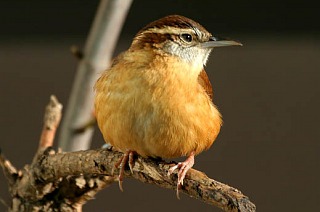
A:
156,98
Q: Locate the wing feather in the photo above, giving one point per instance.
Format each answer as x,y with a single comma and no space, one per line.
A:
204,81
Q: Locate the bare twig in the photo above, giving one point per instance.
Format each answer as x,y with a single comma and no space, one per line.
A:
31,193
51,121
96,56
8,169
65,181
75,50
3,202
102,161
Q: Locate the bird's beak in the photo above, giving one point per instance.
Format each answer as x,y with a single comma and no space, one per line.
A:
218,42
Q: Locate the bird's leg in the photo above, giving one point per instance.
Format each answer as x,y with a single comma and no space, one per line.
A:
183,169
131,161
126,158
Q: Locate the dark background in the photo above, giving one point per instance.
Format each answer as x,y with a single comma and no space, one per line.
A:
268,92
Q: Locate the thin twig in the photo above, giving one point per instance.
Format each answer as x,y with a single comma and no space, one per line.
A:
76,51
51,121
31,193
97,53
4,203
8,169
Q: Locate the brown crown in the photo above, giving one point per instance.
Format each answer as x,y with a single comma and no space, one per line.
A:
177,21
144,38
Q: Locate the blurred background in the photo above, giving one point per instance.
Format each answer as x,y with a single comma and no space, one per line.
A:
268,92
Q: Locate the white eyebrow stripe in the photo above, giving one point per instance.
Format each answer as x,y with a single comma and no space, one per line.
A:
198,33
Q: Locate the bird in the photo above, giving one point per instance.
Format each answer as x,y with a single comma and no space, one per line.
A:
156,99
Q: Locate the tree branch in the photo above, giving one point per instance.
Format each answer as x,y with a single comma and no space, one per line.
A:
51,122
30,193
95,58
9,171
147,170
65,181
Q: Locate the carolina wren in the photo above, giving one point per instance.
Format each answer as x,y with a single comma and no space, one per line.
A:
156,98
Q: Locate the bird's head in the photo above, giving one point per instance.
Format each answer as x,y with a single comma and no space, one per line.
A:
179,36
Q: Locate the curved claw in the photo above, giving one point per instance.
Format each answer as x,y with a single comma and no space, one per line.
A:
128,157
183,169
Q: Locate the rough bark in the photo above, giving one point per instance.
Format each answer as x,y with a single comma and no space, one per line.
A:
65,181
73,178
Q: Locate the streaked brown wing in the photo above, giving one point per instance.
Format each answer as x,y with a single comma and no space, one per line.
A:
204,81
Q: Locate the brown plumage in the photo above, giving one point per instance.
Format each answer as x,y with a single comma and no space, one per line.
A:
156,98
204,81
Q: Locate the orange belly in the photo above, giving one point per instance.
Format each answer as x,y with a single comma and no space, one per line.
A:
155,125
155,114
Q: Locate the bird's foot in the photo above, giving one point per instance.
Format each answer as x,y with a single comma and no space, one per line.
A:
183,169
127,157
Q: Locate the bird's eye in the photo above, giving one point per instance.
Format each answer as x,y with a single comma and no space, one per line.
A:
186,37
